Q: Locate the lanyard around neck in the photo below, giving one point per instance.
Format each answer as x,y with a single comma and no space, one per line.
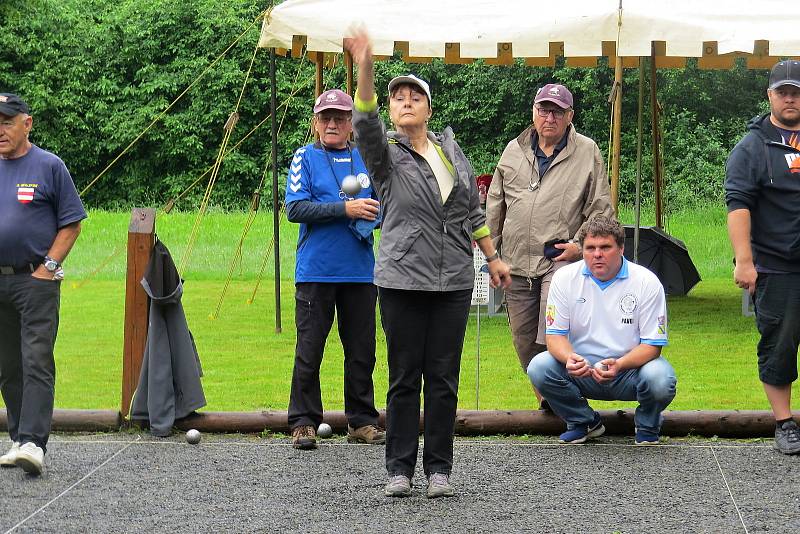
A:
342,195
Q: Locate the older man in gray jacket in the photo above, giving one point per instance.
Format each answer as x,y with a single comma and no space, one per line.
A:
548,183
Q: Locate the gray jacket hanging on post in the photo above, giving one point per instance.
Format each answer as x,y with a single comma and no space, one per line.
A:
169,384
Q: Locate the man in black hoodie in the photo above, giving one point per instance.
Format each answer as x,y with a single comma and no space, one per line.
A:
762,191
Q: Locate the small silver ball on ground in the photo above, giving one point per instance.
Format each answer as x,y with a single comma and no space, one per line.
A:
600,366
324,430
193,437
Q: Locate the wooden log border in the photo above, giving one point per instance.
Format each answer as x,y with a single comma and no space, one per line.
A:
701,423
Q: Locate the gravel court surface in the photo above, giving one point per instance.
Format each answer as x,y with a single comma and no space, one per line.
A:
129,483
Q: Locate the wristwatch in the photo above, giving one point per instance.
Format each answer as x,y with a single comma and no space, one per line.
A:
50,264
493,257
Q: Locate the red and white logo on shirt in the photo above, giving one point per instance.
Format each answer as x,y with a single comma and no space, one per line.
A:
25,192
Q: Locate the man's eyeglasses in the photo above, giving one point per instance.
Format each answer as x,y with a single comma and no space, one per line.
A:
338,120
557,113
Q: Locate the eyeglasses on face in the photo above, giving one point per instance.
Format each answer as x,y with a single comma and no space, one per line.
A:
336,119
544,112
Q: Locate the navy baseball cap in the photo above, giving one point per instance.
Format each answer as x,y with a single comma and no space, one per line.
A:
785,73
11,105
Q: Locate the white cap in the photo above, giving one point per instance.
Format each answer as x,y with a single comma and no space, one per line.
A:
413,80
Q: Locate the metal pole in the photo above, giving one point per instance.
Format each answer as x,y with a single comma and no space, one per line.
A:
617,129
276,220
478,363
639,162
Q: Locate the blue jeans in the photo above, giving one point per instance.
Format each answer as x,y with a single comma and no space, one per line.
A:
653,385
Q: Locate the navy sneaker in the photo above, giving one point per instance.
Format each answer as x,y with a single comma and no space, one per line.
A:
580,434
645,437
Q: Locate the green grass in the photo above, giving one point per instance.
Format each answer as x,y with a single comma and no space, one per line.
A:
248,365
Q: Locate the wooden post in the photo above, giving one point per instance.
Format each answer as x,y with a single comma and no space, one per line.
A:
348,69
617,130
141,234
320,61
654,113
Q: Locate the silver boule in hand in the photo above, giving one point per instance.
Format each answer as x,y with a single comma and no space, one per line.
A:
350,186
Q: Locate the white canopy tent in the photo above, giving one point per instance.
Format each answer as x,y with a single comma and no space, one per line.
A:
716,32
461,30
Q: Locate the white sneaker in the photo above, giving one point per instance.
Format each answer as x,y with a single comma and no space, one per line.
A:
9,459
30,458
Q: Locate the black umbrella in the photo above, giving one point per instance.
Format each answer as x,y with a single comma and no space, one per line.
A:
666,256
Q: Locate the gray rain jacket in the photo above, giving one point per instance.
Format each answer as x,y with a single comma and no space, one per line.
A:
169,384
424,245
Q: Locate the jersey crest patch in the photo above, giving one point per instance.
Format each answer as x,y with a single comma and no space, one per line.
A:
550,316
25,194
627,304
662,324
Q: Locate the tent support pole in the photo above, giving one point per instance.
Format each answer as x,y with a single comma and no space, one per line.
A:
320,58
655,112
639,161
348,68
617,129
276,220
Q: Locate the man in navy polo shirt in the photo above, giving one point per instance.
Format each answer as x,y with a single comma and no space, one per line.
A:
40,215
330,194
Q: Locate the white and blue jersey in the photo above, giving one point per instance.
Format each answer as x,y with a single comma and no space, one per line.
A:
610,318
328,250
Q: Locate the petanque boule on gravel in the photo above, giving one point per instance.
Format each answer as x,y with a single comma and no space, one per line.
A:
192,436
350,186
324,430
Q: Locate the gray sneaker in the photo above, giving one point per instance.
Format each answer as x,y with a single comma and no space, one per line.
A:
398,486
787,438
439,486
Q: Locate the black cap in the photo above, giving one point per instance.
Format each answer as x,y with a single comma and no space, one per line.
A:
11,105
785,73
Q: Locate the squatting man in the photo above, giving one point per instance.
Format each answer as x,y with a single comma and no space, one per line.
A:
606,325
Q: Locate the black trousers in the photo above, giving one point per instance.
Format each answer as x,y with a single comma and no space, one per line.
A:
354,305
777,302
28,326
424,337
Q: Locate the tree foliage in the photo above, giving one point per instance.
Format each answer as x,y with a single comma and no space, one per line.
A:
97,73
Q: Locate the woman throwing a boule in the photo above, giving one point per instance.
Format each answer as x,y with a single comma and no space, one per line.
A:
424,270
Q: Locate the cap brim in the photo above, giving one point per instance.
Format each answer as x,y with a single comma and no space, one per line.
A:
775,85
9,111
399,80
558,103
340,107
